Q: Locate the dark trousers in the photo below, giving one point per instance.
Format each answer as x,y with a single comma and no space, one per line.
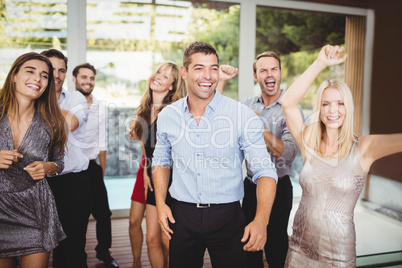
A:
100,208
72,195
218,229
277,245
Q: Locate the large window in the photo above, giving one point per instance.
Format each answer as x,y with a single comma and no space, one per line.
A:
127,40
297,37
27,26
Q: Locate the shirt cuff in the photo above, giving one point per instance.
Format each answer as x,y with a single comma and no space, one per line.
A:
289,152
265,173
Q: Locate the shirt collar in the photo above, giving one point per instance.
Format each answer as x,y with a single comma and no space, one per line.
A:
260,100
213,104
62,95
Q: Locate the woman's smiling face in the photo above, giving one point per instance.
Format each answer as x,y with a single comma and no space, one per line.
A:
32,79
333,111
163,80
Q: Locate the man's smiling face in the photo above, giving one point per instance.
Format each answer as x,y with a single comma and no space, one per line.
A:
202,75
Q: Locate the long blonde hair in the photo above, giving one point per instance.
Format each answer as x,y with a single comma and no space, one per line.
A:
315,130
143,111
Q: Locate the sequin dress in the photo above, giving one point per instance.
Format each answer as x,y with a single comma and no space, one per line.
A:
323,229
28,217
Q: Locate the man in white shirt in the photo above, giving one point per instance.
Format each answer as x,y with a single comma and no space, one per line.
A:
95,148
71,188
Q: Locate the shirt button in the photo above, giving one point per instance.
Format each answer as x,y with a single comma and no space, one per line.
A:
199,194
198,174
198,135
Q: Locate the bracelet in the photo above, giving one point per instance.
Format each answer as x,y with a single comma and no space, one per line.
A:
55,172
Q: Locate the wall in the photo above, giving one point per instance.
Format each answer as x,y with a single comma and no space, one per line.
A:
385,185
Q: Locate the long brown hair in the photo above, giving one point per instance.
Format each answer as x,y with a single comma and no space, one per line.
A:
46,105
144,109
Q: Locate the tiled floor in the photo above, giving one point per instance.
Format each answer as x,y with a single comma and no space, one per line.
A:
375,233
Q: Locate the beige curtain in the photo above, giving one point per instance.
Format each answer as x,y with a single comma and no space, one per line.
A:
355,34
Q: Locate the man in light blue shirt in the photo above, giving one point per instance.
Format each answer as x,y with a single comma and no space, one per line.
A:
71,188
205,138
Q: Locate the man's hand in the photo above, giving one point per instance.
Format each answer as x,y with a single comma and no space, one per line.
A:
38,169
7,158
256,234
227,72
164,216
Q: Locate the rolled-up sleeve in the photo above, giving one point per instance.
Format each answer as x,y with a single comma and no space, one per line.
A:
254,148
290,148
162,155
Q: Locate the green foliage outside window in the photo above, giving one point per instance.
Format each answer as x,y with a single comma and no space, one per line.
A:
296,36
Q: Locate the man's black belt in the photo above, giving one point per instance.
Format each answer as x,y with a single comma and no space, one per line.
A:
199,205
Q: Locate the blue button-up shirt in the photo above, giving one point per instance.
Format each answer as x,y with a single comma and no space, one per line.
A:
207,157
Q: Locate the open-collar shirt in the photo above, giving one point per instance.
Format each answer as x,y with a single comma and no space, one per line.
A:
207,157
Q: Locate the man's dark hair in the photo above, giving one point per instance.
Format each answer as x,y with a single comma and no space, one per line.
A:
197,47
84,65
266,54
56,54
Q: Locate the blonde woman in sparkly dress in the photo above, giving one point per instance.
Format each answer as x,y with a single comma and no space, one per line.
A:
335,167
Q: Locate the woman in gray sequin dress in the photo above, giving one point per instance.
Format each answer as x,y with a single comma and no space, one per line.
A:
335,166
32,141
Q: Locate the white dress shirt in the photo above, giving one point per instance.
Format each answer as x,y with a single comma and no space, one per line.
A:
75,160
95,136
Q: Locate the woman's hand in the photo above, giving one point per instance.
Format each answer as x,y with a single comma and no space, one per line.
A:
7,158
147,183
38,169
331,55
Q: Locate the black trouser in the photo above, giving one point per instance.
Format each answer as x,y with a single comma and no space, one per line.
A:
100,208
72,194
277,245
218,228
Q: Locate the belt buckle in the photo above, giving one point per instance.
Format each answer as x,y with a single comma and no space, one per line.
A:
203,205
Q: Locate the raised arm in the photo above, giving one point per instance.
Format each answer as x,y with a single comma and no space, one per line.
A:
374,147
226,72
328,56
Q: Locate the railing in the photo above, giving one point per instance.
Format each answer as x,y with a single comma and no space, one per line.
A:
385,259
